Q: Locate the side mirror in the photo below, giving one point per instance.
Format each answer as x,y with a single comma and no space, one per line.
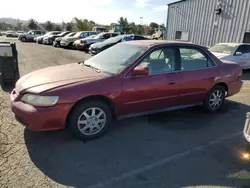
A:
238,54
140,71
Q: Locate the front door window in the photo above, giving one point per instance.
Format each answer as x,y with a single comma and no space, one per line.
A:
160,61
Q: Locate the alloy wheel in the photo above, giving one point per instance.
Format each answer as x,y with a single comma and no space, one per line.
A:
91,121
216,99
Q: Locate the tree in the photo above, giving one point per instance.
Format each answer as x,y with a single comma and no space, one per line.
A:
5,26
18,26
48,26
69,26
124,24
154,25
132,28
32,24
80,25
147,30
140,30
57,27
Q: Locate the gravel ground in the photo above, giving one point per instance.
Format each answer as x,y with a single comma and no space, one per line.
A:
186,148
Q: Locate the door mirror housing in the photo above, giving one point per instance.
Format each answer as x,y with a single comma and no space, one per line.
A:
238,54
140,71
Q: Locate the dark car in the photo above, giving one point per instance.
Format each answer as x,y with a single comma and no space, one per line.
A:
129,79
56,42
100,46
50,39
39,40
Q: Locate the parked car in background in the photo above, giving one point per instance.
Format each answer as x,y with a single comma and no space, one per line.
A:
11,34
236,52
84,44
50,39
39,40
129,79
99,29
100,46
246,133
20,32
67,42
56,42
25,37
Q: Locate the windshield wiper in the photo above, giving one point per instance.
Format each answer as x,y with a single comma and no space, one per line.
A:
94,68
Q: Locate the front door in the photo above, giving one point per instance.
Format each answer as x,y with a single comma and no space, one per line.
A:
244,59
197,75
155,91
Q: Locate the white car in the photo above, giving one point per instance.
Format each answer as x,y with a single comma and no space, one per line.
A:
235,52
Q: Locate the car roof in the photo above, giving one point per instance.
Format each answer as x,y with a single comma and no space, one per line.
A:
152,43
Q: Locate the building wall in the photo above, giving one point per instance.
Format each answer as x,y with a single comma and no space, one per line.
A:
204,26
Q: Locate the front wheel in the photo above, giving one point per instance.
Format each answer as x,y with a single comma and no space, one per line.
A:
215,99
23,39
90,120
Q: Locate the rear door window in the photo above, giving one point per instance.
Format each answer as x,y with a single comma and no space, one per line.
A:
193,59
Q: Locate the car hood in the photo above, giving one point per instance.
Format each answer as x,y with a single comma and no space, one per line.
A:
57,76
40,37
70,39
58,38
100,45
220,55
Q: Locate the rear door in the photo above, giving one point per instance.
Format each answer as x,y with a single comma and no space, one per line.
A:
197,74
155,91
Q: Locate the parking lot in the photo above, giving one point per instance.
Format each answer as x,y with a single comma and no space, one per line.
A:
185,148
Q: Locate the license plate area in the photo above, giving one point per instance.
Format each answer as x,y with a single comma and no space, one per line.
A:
247,124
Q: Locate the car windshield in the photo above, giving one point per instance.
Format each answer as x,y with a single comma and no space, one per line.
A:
115,59
70,34
77,34
61,34
223,48
99,35
114,39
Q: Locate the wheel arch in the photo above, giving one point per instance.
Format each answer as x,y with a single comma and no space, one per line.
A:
224,85
101,98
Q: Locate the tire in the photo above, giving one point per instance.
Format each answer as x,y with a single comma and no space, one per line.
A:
217,93
23,39
90,123
1,80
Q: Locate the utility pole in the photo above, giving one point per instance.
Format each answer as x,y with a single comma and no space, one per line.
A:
141,19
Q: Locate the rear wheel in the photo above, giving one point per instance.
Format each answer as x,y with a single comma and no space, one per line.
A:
215,99
90,120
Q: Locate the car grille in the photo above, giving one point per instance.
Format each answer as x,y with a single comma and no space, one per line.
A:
247,124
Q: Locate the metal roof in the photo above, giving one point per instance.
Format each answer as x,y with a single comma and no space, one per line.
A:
176,2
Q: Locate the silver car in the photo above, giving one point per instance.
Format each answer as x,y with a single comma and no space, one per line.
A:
68,41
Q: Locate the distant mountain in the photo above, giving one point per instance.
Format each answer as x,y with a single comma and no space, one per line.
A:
12,21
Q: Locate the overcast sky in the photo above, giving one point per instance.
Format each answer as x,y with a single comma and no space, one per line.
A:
100,11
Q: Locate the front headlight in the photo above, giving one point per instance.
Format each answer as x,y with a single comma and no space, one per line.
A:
37,100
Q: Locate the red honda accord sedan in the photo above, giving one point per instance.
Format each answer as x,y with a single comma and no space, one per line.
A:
129,79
